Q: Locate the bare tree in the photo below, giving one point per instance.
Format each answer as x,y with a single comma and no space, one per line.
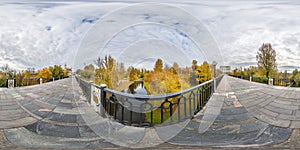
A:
266,57
5,68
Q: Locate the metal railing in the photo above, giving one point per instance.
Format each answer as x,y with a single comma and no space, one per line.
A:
148,110
86,88
275,81
20,82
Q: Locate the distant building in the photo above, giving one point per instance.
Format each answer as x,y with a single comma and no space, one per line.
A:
225,69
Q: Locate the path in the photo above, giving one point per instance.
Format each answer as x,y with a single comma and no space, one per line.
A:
241,113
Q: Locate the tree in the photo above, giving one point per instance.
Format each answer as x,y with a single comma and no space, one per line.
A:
295,73
203,73
56,71
9,73
133,74
108,71
44,73
195,65
176,66
66,70
158,66
266,57
5,68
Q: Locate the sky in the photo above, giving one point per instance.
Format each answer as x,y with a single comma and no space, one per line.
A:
42,33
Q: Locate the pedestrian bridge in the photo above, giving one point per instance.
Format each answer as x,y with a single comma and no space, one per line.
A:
239,114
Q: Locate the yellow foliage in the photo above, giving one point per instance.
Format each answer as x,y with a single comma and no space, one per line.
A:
44,73
203,73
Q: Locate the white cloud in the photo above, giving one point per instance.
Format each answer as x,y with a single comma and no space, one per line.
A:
39,34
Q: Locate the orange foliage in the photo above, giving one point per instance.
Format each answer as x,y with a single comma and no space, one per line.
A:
44,73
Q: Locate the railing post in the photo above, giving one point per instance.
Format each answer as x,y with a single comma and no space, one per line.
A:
41,80
10,83
215,84
102,100
52,79
271,81
214,63
250,79
91,93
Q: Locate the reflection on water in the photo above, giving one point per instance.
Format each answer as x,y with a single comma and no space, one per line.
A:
136,88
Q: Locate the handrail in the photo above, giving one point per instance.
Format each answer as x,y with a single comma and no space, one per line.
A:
155,97
20,82
148,110
275,81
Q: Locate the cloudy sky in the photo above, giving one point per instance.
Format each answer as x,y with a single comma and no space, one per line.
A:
42,33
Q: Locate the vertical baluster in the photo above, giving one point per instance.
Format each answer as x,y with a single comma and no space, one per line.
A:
184,104
190,104
130,115
115,107
161,114
171,112
151,115
178,109
122,113
141,115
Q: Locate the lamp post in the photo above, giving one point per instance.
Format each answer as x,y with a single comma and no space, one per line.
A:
214,63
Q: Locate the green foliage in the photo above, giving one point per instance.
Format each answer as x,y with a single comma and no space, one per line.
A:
108,72
266,57
295,74
56,71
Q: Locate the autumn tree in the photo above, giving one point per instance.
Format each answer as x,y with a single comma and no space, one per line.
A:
295,74
194,64
107,71
66,70
266,57
176,67
44,73
56,71
158,66
203,73
26,74
9,73
134,74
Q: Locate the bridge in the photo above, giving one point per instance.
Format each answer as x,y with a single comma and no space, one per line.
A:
239,114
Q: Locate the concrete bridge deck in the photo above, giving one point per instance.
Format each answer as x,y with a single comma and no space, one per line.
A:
240,114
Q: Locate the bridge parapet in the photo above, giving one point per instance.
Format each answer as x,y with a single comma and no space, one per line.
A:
148,110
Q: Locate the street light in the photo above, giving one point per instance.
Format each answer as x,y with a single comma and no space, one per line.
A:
214,63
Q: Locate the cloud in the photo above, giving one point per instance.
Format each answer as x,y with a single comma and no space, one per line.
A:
241,27
38,34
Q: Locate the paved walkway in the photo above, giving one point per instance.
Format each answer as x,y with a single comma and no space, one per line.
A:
240,114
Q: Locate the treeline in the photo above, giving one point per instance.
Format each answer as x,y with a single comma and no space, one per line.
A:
55,71
159,80
266,66
255,71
